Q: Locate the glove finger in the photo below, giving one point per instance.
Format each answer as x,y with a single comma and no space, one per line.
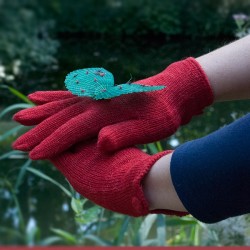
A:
80,128
42,97
36,115
128,133
46,128
84,148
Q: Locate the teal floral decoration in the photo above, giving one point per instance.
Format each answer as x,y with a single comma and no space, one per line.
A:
98,83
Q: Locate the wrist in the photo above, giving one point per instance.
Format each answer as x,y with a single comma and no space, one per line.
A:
158,187
188,89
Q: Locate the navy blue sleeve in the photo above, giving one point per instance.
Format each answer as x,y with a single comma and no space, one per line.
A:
211,175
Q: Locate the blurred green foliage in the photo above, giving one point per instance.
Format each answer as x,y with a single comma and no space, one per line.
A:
147,17
243,25
32,30
23,221
39,207
26,47
127,37
25,44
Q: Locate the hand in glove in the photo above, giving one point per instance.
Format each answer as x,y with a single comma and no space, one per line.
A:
63,119
113,181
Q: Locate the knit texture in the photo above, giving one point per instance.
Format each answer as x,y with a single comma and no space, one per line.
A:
113,181
120,122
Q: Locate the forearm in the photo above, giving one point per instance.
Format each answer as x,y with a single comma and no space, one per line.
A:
209,176
228,70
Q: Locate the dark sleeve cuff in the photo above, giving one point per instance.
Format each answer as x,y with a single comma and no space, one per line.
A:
211,175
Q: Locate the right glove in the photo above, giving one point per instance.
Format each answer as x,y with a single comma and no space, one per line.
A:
120,122
113,181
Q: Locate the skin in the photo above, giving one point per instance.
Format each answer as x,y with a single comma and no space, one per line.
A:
228,71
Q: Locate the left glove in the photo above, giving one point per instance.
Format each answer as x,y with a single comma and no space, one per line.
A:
113,181
121,122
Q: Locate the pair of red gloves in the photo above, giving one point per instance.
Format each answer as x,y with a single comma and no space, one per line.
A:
92,142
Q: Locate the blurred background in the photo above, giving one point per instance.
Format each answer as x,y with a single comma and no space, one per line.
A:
40,42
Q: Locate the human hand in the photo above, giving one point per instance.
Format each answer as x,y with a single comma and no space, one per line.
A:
63,119
113,181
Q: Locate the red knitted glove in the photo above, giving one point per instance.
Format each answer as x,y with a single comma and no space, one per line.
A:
120,122
111,181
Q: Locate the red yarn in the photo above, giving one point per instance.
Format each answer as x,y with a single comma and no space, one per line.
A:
120,122
113,181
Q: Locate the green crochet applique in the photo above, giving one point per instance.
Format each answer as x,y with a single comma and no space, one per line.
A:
98,83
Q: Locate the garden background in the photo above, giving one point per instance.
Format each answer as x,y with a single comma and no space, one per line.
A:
41,41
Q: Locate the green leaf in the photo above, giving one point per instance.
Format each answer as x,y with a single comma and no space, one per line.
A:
88,216
136,237
47,178
176,221
19,95
13,154
50,241
97,240
159,146
150,242
145,227
123,230
77,205
66,236
152,148
14,107
22,173
161,230
196,235
10,132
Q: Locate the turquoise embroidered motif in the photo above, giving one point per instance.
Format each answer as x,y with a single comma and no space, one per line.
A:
98,83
